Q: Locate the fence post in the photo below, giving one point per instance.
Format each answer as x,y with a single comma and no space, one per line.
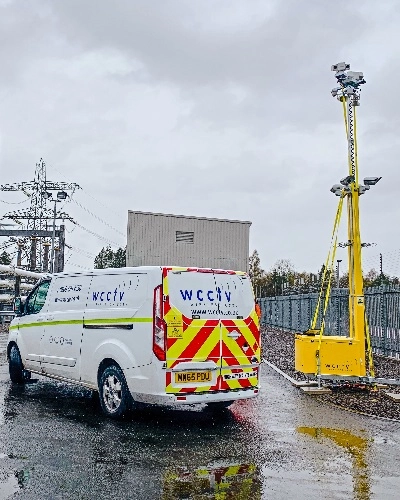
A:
383,320
299,309
387,344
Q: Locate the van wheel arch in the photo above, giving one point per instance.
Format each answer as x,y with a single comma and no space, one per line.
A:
103,365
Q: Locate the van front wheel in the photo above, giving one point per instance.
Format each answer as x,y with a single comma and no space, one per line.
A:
15,367
115,398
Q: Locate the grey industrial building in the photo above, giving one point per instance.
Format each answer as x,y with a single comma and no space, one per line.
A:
164,239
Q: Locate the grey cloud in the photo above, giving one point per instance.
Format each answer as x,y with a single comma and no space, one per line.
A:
211,108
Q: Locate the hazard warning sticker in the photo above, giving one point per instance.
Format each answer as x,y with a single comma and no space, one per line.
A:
175,332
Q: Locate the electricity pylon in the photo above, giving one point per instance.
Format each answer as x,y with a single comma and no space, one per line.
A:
37,219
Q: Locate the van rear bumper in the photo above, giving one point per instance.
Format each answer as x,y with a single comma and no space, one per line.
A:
198,398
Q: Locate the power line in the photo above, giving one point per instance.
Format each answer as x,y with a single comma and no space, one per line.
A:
98,218
82,252
14,202
90,195
106,240
81,267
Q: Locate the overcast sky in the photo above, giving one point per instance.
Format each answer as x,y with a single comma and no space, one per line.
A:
216,108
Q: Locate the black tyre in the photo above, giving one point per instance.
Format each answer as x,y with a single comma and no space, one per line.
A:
115,398
15,367
219,405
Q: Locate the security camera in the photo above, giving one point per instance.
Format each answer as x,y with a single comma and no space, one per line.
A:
335,91
356,75
371,181
342,66
347,180
336,189
340,76
362,189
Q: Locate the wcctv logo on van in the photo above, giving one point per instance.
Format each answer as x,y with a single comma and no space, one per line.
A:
210,295
103,296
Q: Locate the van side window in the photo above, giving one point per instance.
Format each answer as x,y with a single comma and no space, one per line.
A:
36,301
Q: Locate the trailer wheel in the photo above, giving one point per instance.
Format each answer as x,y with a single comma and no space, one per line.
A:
15,367
115,398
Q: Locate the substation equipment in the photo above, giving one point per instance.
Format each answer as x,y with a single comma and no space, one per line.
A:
40,244
333,357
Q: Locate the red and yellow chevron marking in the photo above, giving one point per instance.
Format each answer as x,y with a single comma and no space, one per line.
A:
239,352
207,340
200,342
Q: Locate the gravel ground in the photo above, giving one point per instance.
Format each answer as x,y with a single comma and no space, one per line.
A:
278,349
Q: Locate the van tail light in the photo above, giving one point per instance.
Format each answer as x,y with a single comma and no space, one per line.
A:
159,327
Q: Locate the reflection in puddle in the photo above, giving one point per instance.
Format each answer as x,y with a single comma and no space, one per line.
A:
356,447
215,481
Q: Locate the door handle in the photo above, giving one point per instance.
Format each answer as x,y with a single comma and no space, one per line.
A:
233,335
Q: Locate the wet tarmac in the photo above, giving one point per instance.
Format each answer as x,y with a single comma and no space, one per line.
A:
56,444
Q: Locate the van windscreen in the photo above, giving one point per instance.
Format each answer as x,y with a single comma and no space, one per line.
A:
205,295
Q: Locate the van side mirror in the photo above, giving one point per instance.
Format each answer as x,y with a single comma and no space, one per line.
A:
18,306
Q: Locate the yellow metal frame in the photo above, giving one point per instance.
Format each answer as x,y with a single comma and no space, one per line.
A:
319,354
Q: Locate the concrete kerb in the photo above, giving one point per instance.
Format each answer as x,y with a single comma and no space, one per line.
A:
296,383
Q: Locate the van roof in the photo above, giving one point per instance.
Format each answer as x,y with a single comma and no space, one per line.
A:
123,270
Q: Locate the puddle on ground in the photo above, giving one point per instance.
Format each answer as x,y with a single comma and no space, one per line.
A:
215,480
8,485
356,447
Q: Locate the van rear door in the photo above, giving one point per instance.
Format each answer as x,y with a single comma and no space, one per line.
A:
240,334
212,331
193,343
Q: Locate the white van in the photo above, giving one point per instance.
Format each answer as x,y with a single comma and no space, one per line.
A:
159,335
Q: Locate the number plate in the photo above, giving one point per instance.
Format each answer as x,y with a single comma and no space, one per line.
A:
192,377
239,376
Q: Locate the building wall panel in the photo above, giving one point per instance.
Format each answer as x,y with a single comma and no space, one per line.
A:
218,243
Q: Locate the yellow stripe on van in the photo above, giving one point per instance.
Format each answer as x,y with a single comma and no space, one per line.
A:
47,323
80,321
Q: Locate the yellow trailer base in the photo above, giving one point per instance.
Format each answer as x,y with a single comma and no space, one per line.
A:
340,356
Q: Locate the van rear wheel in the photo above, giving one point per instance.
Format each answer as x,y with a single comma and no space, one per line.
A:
15,367
115,398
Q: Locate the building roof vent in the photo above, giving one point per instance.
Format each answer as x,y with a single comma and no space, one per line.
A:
184,237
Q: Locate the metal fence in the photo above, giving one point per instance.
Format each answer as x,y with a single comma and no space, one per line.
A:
295,312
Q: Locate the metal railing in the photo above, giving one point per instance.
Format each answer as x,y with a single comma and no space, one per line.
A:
295,313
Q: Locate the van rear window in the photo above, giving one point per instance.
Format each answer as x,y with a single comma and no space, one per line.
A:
208,295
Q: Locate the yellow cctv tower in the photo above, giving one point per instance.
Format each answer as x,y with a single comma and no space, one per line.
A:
338,356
